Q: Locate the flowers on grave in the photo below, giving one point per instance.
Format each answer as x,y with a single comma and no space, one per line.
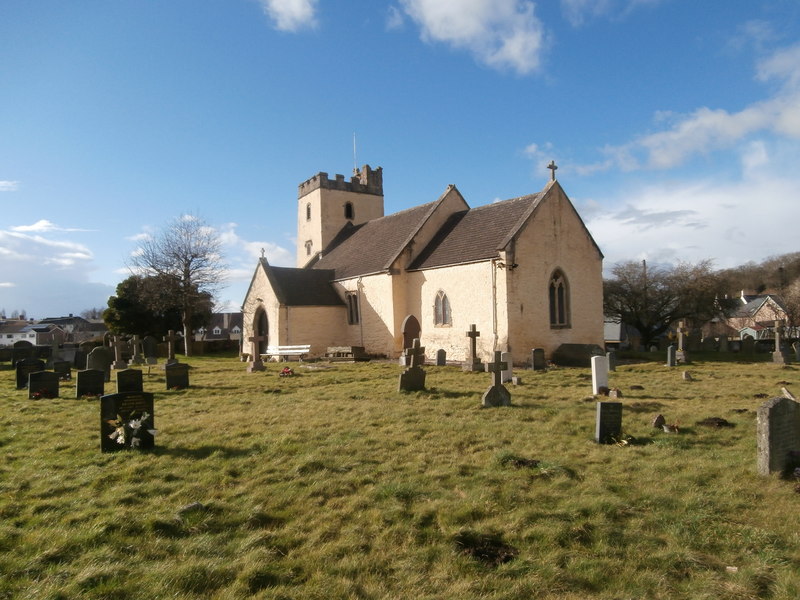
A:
132,432
286,372
38,395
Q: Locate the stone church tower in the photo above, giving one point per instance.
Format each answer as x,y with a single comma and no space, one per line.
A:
325,206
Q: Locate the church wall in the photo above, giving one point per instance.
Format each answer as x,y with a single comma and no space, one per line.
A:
320,326
554,239
469,292
375,330
261,288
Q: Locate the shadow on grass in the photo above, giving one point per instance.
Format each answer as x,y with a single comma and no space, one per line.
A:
642,407
202,452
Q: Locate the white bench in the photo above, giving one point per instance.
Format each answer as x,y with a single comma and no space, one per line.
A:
284,352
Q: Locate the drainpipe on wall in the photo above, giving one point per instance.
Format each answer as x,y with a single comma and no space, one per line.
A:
359,290
494,307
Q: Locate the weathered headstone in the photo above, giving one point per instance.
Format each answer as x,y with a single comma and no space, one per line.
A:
64,369
177,376
723,343
150,349
777,434
611,356
473,363
413,378
127,421
497,394
682,355
599,374
43,384
25,367
100,359
136,348
441,358
538,362
255,363
748,345
507,373
672,360
129,380
171,338
608,422
89,382
119,363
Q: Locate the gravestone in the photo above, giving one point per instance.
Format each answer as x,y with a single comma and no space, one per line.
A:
136,348
90,382
55,353
576,355
473,363
672,360
6,354
413,378
608,422
681,355
25,367
171,338
119,345
42,384
497,394
748,345
777,434
538,362
778,355
68,352
129,380
507,373
611,355
64,369
723,343
255,364
177,376
19,353
100,359
441,358
127,421
150,350
796,348
599,374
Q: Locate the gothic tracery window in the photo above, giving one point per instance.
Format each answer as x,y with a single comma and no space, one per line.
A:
559,300
441,310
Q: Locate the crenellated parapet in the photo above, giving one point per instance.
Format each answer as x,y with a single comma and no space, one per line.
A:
364,181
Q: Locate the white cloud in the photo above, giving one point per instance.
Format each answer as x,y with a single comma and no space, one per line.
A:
7,284
291,15
394,18
577,12
41,225
9,186
503,34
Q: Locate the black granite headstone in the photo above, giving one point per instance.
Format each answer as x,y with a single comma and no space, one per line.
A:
43,384
6,354
608,426
64,369
127,421
177,376
90,382
129,380
25,367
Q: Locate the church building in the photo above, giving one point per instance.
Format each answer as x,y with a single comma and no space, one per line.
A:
525,271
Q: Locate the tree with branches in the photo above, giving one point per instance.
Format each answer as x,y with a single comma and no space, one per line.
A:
186,254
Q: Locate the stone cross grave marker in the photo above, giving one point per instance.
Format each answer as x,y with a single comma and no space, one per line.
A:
538,362
497,394
127,421
682,355
150,350
778,356
25,367
672,360
129,380
507,373
90,382
119,345
64,369
473,363
441,358
599,374
413,378
255,363
171,338
42,384
777,434
177,376
136,347
100,358
608,422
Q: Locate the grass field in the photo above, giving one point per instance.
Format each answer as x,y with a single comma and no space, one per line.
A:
331,484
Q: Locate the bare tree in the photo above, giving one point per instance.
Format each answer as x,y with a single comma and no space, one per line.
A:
187,253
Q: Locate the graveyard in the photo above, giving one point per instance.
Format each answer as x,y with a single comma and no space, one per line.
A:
333,482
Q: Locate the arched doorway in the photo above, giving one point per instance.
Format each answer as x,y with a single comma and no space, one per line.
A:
411,330
261,329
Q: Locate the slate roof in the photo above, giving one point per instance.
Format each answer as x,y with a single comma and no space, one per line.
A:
374,245
754,304
476,234
302,287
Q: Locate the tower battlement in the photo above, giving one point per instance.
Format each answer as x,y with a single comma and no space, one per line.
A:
364,181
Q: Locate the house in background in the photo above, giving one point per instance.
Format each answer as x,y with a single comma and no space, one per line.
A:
223,326
757,315
36,333
78,329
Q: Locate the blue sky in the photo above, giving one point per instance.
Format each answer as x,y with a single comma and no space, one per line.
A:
675,125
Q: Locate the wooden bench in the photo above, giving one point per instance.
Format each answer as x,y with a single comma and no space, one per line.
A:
284,352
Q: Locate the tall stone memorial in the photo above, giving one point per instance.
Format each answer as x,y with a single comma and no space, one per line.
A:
171,338
413,378
255,363
779,357
473,363
599,374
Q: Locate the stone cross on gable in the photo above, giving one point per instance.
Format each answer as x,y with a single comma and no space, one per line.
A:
496,368
263,252
552,166
415,356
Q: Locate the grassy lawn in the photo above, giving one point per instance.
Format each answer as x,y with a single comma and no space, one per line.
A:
331,484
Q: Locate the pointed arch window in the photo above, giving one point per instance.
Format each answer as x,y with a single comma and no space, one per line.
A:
442,317
353,313
559,300
349,211
308,211
308,247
